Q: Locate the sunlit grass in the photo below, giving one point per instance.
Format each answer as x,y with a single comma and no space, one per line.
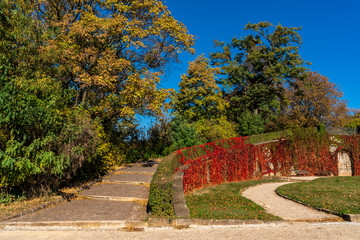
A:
225,201
338,194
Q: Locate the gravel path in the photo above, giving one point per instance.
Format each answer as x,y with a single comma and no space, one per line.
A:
265,196
294,231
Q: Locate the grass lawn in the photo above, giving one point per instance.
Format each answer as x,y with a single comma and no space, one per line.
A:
224,201
338,194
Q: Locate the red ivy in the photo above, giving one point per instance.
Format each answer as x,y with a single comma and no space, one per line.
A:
232,160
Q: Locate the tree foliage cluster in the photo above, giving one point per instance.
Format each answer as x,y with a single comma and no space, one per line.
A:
258,83
73,77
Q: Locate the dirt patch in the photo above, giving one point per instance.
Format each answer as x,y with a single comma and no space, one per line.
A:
18,207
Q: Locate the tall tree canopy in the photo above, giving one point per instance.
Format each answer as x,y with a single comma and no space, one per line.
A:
71,71
199,96
256,69
111,52
313,101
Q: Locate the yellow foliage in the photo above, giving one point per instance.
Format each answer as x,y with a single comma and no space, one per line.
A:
199,96
114,60
106,150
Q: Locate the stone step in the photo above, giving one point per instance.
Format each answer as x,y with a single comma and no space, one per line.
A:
140,201
137,170
129,178
83,210
146,184
117,191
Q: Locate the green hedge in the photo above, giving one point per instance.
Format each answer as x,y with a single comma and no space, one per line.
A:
265,137
160,198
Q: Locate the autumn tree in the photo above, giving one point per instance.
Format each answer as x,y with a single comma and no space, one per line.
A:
199,96
255,70
201,103
112,52
313,101
71,71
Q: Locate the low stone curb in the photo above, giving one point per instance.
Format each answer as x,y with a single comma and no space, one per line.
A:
346,217
75,224
182,222
187,222
46,205
351,217
152,223
180,207
179,223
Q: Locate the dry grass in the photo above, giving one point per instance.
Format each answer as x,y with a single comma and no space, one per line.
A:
18,207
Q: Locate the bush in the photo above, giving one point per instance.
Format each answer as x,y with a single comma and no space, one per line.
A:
182,134
42,141
159,138
250,123
160,198
32,115
265,137
211,130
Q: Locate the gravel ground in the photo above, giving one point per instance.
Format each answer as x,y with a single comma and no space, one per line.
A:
295,231
265,196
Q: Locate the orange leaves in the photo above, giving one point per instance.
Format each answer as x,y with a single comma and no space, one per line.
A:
313,101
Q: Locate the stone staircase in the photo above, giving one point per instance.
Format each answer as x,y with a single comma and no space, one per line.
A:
117,200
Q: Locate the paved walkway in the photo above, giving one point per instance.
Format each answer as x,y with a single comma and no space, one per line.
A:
285,230
265,196
122,197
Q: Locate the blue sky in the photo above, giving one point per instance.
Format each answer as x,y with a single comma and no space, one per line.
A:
330,33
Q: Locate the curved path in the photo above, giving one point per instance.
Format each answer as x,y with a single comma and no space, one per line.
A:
265,196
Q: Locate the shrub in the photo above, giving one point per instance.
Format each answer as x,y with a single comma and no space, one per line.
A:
160,198
211,130
182,134
159,138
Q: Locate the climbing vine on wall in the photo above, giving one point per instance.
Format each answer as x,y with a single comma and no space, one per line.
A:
234,160
351,145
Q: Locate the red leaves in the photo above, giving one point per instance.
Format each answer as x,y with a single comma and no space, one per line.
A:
232,160
352,147
225,161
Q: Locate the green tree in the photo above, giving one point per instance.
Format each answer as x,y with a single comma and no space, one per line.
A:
182,134
199,96
42,140
70,71
159,138
211,130
256,70
353,120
